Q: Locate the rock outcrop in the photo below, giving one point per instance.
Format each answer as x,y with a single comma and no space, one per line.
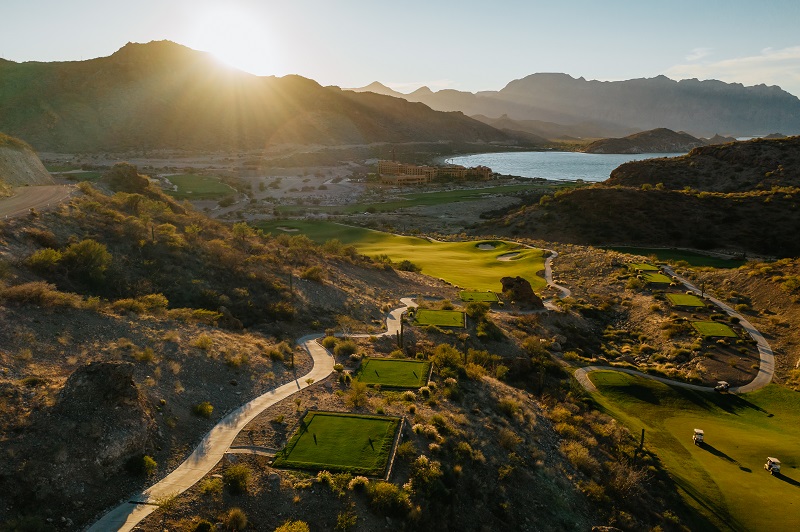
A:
20,166
520,292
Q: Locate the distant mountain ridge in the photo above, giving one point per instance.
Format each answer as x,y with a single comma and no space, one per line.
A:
164,95
702,108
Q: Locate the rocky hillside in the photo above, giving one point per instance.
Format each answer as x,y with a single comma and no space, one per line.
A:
742,197
759,164
19,165
702,108
659,140
162,95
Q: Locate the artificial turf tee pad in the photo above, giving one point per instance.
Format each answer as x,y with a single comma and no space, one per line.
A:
394,372
483,297
685,300
338,441
440,318
714,329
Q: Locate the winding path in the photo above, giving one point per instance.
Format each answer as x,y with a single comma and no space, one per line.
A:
214,445
766,368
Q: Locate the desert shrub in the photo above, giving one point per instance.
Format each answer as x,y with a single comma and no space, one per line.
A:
329,342
203,409
345,348
236,478
203,526
314,273
387,497
406,450
407,266
338,368
149,465
203,342
293,526
39,293
44,261
211,486
236,519
357,396
508,405
145,355
447,356
501,371
508,439
426,475
87,259
347,519
357,483
579,456
43,237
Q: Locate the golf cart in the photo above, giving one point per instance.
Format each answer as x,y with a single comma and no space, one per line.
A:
721,386
697,437
773,465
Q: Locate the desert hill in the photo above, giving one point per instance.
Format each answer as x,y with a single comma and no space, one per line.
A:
701,108
659,140
741,197
734,167
163,95
19,165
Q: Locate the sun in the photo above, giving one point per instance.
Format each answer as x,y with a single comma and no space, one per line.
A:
237,38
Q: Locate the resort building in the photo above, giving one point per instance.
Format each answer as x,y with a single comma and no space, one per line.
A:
394,173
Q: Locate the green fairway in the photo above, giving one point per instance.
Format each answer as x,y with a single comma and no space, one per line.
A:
336,441
440,318
724,479
685,300
714,329
643,266
656,278
482,297
192,186
394,372
470,265
675,255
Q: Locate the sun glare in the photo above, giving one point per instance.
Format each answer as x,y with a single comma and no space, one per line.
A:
236,38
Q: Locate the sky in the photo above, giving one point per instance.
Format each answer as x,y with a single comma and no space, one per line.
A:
466,45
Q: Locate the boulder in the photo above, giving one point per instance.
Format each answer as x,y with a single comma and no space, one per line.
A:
520,292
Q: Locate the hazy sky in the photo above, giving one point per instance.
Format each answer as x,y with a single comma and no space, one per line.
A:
466,45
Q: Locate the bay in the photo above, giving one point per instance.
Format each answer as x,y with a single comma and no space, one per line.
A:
555,165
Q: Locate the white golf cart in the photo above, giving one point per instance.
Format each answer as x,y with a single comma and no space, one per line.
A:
773,465
722,386
698,436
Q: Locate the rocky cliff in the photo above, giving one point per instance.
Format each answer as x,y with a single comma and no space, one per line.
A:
20,166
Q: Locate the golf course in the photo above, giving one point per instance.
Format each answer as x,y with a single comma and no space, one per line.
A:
472,265
724,478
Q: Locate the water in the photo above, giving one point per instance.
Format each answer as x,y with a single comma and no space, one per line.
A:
556,165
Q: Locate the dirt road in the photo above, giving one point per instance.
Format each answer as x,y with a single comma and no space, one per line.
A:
39,198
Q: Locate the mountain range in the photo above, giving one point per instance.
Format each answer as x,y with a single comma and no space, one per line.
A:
165,95
618,108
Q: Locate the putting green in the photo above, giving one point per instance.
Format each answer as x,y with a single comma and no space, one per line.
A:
724,479
472,265
192,186
713,329
483,297
685,300
337,441
440,318
394,373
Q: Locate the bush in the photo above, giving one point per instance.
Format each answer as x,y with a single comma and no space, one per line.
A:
314,273
88,260
357,396
211,486
329,342
387,497
203,526
44,261
236,478
204,409
293,526
40,293
345,348
203,342
149,465
236,519
408,266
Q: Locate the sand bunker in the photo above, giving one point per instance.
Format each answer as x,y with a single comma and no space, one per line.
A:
508,256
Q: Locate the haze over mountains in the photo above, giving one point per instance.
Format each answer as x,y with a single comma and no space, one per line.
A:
618,108
164,95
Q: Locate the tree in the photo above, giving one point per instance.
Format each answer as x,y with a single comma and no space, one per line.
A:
124,177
